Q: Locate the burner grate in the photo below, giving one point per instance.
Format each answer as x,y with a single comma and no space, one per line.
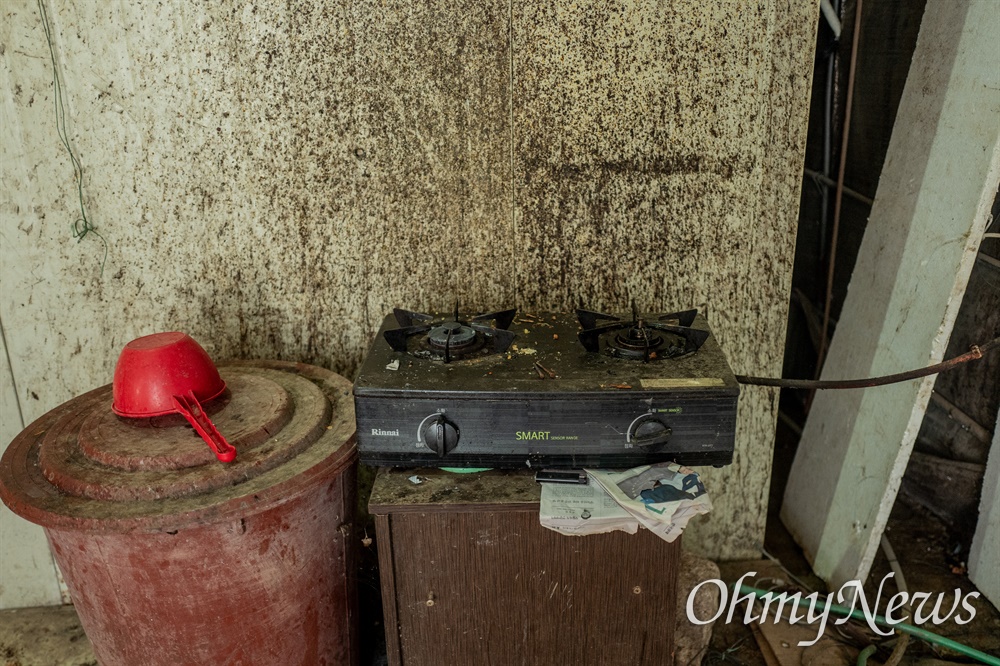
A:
643,338
426,336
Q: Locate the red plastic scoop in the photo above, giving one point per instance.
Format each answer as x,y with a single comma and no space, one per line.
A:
168,373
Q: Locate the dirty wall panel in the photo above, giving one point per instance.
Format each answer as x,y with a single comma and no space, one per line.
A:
271,178
432,98
760,327
222,213
657,152
274,177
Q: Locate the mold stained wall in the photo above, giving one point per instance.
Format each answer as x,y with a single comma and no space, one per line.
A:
274,177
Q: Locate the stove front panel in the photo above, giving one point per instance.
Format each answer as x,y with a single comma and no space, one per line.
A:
610,430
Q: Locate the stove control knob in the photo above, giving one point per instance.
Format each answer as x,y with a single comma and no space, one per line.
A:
440,435
650,433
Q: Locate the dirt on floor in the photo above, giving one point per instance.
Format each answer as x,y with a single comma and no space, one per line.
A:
49,636
931,560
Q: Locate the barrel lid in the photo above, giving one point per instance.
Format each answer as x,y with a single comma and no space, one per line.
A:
82,467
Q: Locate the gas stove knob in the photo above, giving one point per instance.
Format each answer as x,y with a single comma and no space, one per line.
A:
650,433
440,435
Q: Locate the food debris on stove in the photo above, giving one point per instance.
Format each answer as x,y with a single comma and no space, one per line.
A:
543,371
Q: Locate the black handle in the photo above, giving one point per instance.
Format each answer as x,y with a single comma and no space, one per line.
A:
651,433
441,435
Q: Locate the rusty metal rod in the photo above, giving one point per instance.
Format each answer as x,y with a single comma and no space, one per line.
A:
830,182
964,420
975,353
839,194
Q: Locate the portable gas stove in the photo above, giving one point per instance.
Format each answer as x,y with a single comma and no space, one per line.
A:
545,390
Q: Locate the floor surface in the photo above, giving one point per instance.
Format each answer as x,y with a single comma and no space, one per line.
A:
49,636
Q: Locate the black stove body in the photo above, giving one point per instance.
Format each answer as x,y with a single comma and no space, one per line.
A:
545,390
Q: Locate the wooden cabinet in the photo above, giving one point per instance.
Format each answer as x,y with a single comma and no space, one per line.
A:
469,576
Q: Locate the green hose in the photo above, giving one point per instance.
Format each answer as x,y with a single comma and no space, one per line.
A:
867,652
928,636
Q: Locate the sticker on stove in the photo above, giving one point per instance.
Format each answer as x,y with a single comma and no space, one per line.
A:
680,382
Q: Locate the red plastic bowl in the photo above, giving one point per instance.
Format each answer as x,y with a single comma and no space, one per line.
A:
153,369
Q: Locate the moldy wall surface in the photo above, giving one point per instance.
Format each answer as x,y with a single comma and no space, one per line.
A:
273,178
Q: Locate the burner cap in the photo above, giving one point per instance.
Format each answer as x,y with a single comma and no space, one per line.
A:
460,336
639,338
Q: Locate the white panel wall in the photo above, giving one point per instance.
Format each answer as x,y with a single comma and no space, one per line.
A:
27,571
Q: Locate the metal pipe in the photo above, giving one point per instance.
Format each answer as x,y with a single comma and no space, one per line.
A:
854,194
830,14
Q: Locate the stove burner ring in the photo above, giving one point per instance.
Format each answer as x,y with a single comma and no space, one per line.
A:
633,338
461,336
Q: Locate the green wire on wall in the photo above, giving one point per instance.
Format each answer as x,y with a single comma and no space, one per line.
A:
82,225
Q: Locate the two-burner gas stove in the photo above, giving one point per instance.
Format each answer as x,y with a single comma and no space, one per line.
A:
545,390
